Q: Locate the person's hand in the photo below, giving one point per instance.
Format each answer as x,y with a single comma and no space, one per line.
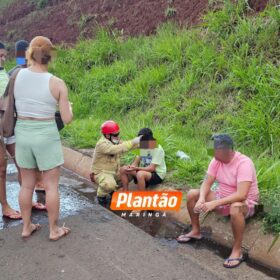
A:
198,205
131,168
136,140
127,167
209,206
91,175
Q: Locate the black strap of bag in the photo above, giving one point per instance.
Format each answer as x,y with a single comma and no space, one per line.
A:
58,120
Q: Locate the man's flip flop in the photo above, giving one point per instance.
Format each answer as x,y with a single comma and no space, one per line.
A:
13,216
39,206
184,238
239,261
37,227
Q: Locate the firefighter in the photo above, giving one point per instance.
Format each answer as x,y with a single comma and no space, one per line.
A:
106,160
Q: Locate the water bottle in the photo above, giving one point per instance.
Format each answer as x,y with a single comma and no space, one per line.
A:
182,155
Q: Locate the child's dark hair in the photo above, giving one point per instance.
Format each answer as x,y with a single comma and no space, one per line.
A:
147,134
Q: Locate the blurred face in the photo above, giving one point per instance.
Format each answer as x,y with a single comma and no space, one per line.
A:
3,56
114,138
223,155
148,144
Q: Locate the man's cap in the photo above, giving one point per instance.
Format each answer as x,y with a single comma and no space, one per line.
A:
222,141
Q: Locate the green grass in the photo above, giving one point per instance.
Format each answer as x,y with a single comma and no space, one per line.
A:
186,84
5,3
40,4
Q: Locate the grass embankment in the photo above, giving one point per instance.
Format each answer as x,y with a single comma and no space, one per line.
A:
5,3
221,76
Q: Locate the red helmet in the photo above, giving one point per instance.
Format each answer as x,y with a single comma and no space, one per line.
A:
110,127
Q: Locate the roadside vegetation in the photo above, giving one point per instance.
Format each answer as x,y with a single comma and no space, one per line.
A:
5,3
186,84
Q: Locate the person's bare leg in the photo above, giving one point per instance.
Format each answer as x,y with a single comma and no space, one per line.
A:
237,219
125,177
39,183
3,169
50,181
142,178
192,198
12,151
25,199
6,209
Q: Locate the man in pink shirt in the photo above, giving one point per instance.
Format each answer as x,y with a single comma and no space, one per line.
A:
236,194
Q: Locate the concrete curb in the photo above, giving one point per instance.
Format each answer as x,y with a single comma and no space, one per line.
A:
257,244
77,162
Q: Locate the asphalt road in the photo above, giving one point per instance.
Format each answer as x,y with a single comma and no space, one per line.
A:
104,246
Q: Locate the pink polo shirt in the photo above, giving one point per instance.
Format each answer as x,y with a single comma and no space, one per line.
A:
239,169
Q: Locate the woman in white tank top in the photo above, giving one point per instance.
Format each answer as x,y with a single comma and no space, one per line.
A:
38,145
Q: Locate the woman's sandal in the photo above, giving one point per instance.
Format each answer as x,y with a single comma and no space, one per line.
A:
13,216
36,228
65,230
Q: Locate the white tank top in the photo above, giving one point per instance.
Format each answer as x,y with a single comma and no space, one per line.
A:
33,97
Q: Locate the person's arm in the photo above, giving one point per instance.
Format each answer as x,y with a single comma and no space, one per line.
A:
4,80
133,165
150,168
207,183
65,107
245,175
204,191
157,158
206,186
2,61
109,148
239,196
136,162
209,180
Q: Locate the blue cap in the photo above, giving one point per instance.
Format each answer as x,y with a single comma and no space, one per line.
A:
2,46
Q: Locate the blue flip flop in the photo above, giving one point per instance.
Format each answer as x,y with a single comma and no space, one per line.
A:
240,260
185,239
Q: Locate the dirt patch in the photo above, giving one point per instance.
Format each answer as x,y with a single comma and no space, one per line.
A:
258,5
68,20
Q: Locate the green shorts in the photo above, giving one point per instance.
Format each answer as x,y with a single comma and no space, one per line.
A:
38,145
